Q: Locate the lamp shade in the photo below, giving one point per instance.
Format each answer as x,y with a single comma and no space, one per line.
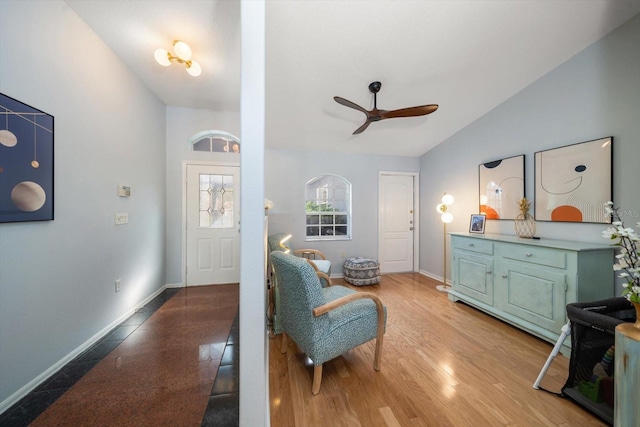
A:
182,50
447,199
194,69
162,57
441,208
446,217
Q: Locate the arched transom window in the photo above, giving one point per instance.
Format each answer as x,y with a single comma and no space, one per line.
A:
215,141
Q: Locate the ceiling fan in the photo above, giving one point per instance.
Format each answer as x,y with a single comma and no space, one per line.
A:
376,115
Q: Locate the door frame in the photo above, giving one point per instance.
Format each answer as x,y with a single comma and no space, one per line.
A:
186,163
416,215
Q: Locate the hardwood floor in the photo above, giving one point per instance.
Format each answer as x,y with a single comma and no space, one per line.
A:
443,364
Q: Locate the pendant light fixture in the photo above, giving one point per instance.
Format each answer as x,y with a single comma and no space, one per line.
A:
182,55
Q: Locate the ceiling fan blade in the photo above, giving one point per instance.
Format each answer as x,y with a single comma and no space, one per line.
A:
409,112
350,104
362,128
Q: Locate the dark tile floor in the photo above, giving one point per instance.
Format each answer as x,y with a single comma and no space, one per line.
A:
223,404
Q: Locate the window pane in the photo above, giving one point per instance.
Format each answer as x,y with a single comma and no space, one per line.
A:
326,231
313,231
220,144
216,201
227,219
341,231
202,145
341,219
216,219
327,219
313,219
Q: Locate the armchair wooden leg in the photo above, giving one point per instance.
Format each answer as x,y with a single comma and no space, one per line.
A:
378,356
379,340
317,379
283,343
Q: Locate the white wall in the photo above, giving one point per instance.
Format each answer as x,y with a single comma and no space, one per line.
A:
286,174
57,277
594,94
182,124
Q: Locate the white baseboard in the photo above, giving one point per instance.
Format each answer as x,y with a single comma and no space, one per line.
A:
27,388
174,285
433,276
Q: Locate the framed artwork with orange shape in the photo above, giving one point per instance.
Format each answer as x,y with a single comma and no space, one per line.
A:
501,187
26,162
574,182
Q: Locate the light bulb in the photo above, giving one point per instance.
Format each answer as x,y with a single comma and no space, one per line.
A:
441,208
162,56
182,50
447,199
446,217
194,69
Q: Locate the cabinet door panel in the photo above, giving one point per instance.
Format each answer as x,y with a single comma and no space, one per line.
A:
474,276
535,295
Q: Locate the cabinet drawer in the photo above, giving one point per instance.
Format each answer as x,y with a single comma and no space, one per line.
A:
531,254
473,245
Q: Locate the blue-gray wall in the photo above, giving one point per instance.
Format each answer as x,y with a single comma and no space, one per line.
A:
57,277
287,172
594,94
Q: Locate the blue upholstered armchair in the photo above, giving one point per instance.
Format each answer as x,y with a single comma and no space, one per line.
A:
325,322
280,242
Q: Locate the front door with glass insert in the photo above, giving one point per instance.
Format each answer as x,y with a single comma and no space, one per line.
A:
213,225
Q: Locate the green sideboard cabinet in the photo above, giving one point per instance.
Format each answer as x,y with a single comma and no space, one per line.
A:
528,283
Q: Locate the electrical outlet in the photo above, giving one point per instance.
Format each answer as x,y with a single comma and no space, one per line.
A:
117,285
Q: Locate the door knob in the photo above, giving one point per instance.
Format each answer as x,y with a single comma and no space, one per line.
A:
410,228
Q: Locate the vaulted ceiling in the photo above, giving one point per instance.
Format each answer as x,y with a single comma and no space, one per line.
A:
466,56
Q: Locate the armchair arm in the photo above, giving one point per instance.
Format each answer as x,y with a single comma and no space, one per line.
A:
324,276
325,308
316,252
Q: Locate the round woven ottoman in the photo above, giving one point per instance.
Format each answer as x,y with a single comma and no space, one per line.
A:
361,271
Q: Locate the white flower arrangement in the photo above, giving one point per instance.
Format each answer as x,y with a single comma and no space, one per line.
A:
627,261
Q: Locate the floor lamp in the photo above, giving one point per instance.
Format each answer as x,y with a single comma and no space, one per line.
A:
446,217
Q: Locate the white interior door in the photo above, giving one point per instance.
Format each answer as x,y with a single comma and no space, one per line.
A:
213,224
396,228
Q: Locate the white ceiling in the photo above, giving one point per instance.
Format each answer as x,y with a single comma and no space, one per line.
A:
466,56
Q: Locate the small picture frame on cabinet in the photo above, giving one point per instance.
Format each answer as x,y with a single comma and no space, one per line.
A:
476,225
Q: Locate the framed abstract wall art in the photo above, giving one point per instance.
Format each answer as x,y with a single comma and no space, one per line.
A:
574,182
501,187
26,162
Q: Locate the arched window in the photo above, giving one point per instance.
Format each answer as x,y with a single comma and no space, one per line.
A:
215,141
328,208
